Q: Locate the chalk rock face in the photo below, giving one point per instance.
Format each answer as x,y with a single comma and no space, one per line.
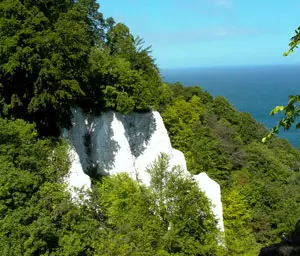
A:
213,192
76,179
113,143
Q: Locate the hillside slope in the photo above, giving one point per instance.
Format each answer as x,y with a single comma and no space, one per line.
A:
260,183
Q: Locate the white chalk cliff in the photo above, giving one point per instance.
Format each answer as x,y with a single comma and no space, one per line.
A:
113,143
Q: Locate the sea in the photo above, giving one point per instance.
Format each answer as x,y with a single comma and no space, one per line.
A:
253,89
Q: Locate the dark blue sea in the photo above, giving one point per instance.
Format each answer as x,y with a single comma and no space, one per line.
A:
256,90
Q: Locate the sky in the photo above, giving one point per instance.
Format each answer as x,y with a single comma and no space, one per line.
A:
204,33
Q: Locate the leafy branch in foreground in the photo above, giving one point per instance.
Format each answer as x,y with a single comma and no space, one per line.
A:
292,109
291,112
295,40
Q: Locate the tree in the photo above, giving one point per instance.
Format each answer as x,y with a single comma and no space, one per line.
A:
237,217
37,216
55,55
171,217
44,48
295,40
217,139
292,110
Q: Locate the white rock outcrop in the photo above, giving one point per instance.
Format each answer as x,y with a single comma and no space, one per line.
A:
113,143
213,192
76,178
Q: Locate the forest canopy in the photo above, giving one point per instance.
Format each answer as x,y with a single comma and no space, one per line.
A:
55,55
260,183
122,216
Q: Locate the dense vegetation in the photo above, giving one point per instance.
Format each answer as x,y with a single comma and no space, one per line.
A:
260,182
123,217
58,54
55,55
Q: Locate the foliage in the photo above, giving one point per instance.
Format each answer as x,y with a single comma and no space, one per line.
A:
115,84
291,114
292,110
44,48
259,182
55,55
122,216
171,217
36,214
295,40
237,217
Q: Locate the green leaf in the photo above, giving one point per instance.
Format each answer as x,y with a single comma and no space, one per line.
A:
277,109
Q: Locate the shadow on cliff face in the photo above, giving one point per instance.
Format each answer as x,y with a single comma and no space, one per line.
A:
102,148
97,139
290,246
139,128
92,137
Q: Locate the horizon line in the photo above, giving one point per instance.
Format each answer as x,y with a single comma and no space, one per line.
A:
231,66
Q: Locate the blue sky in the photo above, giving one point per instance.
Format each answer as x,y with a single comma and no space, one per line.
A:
200,33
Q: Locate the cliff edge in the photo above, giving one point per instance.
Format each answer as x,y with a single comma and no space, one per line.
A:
113,143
